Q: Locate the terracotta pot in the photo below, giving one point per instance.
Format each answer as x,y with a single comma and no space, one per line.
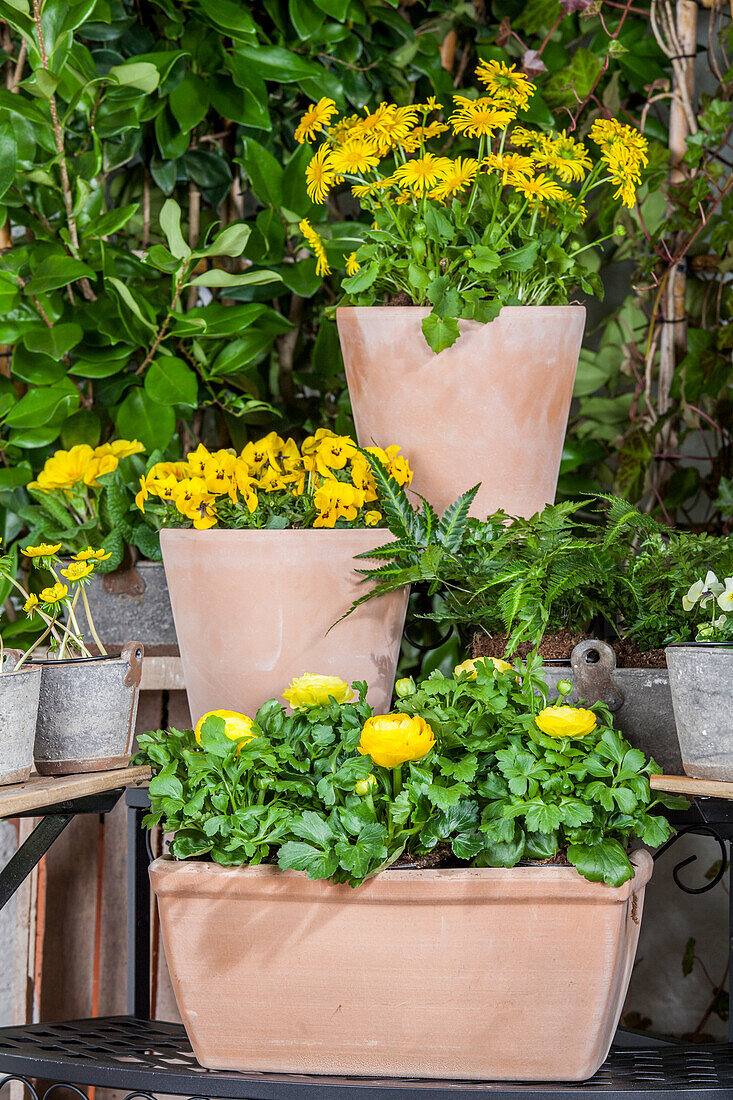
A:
87,711
253,609
493,408
481,973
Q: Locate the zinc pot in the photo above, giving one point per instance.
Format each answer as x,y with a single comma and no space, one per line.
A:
493,408
132,602
253,609
639,699
18,710
701,679
477,973
86,712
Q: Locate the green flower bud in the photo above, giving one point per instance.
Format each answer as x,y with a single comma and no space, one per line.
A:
564,687
620,231
404,687
364,786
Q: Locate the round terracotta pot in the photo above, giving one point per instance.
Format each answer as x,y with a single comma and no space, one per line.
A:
475,973
493,408
253,610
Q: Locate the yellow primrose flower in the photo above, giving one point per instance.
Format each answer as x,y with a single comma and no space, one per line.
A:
393,739
566,721
120,448
78,570
54,594
312,690
352,264
237,727
315,118
320,176
504,82
471,667
89,555
43,550
64,469
316,245
98,465
31,604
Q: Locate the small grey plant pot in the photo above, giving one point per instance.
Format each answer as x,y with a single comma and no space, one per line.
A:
701,678
86,712
19,693
132,603
639,699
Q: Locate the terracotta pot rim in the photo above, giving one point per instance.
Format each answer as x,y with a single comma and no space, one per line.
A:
425,310
311,532
560,876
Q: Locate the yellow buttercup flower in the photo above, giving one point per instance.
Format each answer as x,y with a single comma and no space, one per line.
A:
352,264
317,247
505,83
315,118
393,739
319,175
355,156
422,173
312,690
89,555
43,550
471,667
78,570
54,594
566,721
237,727
31,604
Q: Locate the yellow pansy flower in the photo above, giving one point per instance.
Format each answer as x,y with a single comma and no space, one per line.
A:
566,721
393,739
312,690
372,518
336,500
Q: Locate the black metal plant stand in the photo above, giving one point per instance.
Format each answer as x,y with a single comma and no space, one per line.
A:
146,1058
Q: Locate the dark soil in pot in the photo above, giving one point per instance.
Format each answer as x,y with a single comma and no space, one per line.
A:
559,645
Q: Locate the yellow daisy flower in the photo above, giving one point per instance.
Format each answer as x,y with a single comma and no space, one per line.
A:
541,187
388,126
316,246
458,177
315,118
510,164
355,156
352,264
479,117
319,175
505,83
422,173
568,158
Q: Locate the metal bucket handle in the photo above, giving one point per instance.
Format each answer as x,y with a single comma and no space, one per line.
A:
10,659
593,663
132,654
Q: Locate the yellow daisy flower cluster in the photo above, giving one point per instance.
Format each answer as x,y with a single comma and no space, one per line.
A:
624,150
82,465
223,487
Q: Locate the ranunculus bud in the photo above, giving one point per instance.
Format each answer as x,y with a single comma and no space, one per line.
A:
564,687
364,786
404,687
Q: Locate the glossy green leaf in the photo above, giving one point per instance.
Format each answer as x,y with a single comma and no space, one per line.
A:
139,417
169,381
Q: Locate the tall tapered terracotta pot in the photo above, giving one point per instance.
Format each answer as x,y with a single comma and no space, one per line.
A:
253,609
492,408
473,973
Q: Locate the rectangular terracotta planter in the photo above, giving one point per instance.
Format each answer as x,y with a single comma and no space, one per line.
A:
477,973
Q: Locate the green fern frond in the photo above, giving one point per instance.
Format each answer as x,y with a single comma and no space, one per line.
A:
452,526
399,513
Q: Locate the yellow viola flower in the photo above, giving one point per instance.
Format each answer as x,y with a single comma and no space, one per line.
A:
142,494
196,461
336,500
315,119
312,690
320,176
78,570
476,118
397,465
246,485
372,518
237,727
393,739
566,721
43,550
31,604
422,173
316,245
92,555
505,83
192,499
363,478
352,264
54,594
178,470
470,667
258,454
163,487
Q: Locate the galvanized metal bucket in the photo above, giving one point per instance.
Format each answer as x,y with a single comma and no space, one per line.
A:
86,712
18,710
639,699
701,679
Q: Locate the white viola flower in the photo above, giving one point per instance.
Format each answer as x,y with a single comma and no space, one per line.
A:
712,588
692,595
725,599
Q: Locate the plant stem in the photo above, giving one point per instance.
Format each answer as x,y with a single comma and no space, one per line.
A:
90,620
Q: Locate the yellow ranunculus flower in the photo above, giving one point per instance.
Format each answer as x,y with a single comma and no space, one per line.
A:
43,550
364,786
237,727
393,739
566,721
312,690
78,570
92,555
471,666
55,594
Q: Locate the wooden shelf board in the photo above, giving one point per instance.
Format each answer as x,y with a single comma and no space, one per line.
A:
685,784
42,791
